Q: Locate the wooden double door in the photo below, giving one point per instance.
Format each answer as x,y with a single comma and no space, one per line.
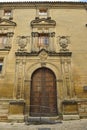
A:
43,94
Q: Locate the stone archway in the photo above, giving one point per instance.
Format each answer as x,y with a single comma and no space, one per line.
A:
43,93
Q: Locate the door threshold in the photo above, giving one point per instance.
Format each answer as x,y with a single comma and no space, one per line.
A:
42,120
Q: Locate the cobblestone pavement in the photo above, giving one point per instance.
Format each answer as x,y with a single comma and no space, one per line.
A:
65,125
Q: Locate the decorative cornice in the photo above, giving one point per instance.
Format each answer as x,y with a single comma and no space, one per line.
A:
6,22
38,4
73,101
4,49
36,34
60,54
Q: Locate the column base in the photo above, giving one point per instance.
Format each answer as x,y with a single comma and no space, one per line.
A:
71,117
16,118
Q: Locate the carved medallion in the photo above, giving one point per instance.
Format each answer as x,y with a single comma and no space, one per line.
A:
63,41
43,55
22,42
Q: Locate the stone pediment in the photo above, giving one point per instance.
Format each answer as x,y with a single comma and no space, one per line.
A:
7,22
43,21
43,51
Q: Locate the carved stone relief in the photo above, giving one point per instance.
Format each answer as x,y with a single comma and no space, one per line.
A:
66,72
63,42
20,71
43,55
43,21
22,42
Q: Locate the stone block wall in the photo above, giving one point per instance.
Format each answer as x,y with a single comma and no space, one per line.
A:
82,109
70,107
4,105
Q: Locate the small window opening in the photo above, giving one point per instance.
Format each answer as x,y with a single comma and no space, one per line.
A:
43,12
7,12
1,65
43,39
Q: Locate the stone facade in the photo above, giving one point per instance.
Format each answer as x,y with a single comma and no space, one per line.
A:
37,35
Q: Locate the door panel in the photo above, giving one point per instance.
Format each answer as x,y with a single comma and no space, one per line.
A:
43,101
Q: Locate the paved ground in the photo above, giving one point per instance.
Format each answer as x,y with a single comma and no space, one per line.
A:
65,125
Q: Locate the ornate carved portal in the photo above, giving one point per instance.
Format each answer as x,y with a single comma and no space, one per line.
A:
43,89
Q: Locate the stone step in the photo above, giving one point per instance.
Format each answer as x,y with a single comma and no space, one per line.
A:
42,120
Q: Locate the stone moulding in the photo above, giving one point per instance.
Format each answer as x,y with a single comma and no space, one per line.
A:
60,4
17,102
7,22
43,21
65,54
69,102
5,49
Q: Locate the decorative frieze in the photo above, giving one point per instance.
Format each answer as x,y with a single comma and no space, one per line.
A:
59,54
36,34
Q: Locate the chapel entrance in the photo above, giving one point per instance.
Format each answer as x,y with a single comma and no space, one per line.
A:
43,95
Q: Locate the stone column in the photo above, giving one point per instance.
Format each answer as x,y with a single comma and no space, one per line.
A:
66,76
23,74
27,96
51,41
63,78
16,79
34,41
19,79
70,77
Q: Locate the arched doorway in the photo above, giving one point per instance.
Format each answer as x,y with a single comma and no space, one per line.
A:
43,95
